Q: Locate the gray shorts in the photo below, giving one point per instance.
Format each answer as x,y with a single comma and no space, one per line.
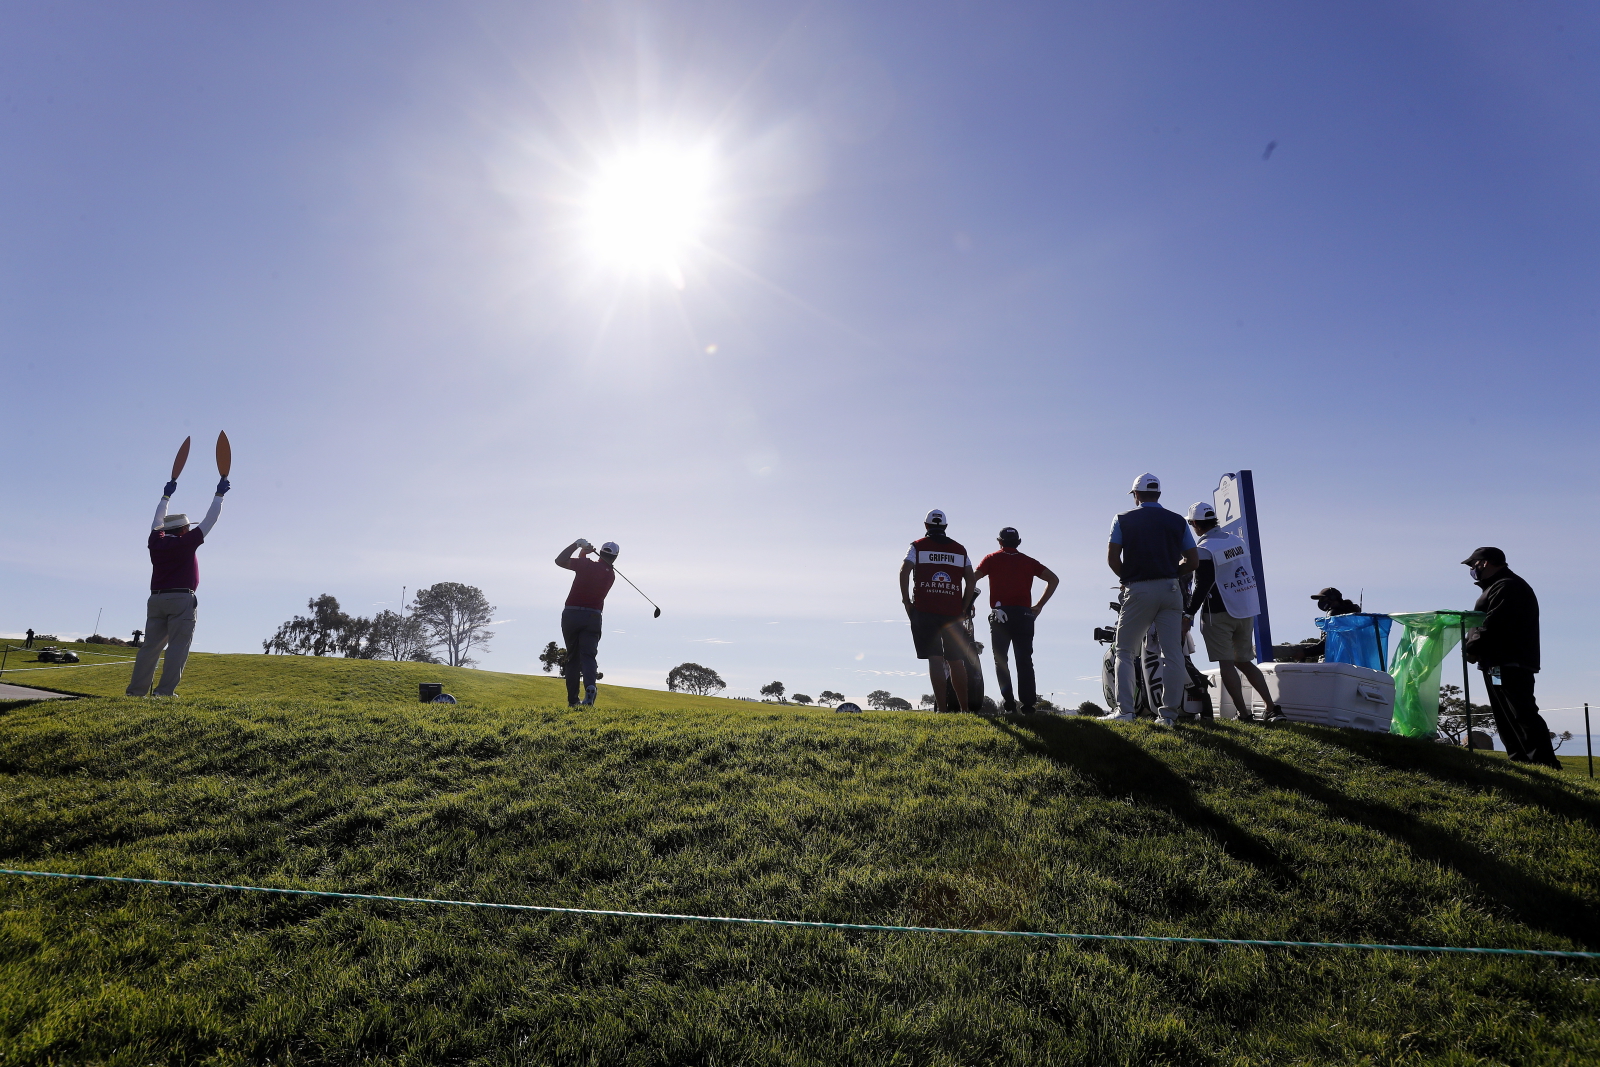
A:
1228,638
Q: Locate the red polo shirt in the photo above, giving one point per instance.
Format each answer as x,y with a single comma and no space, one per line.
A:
1011,576
172,562
591,581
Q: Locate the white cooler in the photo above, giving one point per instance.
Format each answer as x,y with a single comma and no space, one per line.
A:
1328,694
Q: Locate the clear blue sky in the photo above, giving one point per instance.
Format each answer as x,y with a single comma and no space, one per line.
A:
997,259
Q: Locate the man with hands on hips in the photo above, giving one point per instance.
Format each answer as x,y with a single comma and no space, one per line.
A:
174,577
1012,613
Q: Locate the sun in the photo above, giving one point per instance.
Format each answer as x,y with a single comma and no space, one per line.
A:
646,209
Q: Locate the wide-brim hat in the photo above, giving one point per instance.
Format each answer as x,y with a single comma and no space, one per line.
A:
172,522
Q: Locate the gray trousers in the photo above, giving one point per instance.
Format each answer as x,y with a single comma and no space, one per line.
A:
169,624
1159,601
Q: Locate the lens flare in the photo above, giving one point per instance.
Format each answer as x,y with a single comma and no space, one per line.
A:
646,209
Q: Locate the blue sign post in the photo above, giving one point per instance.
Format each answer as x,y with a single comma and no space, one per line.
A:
1235,501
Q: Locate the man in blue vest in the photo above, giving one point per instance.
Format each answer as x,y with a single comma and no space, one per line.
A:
1151,550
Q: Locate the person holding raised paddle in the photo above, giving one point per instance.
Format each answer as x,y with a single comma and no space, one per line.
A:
174,577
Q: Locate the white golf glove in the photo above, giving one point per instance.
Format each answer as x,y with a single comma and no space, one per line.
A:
584,544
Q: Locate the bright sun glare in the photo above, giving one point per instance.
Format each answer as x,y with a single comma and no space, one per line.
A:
645,210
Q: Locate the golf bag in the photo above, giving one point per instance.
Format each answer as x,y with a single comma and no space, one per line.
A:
972,656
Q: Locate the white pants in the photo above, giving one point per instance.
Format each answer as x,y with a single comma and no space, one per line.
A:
169,624
1158,601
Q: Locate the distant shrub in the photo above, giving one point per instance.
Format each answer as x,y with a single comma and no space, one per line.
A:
552,657
1089,707
96,639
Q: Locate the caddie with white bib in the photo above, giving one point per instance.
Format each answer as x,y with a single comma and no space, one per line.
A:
1226,599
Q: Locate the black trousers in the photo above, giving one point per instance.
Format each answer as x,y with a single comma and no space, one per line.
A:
580,630
1516,717
1015,632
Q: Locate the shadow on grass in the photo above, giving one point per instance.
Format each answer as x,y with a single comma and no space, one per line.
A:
27,702
1122,768
1519,782
1528,900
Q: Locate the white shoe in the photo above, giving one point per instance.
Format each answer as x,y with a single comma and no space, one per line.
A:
1117,716
1164,720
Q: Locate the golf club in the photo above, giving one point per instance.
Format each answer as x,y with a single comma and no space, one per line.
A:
636,589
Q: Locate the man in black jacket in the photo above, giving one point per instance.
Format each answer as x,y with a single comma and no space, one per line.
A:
1333,602
1506,649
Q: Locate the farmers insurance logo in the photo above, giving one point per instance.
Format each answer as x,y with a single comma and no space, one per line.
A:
940,576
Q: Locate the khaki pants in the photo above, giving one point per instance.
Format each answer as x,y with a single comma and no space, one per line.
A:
1158,601
169,624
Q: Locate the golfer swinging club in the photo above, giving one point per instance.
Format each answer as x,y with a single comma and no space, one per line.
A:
174,577
580,619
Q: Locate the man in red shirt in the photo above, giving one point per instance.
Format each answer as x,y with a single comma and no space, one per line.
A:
580,619
941,569
174,577
1013,611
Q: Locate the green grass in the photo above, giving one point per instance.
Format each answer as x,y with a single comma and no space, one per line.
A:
212,676
327,774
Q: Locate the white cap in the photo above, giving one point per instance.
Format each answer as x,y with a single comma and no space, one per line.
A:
609,549
935,518
172,522
1146,483
1201,510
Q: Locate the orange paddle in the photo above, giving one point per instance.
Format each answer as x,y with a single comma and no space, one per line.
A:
224,454
182,458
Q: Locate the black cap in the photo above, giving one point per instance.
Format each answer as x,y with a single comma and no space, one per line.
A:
1329,593
1010,534
1486,555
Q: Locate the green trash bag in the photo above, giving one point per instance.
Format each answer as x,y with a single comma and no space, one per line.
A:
1426,638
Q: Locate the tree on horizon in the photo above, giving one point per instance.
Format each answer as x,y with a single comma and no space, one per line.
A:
693,678
455,616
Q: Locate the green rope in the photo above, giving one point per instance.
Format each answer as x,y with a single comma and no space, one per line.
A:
813,925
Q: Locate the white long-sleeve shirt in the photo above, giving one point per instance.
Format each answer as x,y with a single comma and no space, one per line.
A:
206,523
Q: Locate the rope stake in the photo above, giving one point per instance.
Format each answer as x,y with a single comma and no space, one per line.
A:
666,916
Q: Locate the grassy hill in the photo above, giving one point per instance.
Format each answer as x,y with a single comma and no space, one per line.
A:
208,675
327,774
